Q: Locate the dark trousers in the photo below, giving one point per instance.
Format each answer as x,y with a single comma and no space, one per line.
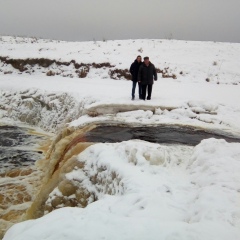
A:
139,89
148,88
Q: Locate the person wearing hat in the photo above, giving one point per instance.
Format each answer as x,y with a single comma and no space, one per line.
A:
147,72
134,71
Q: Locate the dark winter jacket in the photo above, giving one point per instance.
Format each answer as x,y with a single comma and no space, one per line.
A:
134,70
147,73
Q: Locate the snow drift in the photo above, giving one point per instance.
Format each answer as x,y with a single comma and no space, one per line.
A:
148,191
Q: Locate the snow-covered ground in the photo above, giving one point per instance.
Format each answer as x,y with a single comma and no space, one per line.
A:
165,192
50,102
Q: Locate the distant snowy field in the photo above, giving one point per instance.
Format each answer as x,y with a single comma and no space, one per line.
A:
181,193
189,61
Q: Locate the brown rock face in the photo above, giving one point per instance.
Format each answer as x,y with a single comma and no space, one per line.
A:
67,188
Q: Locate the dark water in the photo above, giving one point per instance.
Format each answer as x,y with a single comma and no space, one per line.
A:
156,134
18,148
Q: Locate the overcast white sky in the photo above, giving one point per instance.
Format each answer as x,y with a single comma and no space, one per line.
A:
77,20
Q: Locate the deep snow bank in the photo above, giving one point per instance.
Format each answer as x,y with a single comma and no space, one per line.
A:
148,191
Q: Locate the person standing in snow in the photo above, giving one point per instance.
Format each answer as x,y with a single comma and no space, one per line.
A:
134,71
147,72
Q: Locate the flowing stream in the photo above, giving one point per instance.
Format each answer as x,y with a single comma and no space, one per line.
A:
20,148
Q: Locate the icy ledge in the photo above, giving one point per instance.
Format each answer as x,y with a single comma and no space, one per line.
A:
52,111
47,110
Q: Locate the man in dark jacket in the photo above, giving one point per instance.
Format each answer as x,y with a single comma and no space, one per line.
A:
134,71
146,73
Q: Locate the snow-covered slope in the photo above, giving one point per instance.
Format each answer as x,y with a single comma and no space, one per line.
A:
147,191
